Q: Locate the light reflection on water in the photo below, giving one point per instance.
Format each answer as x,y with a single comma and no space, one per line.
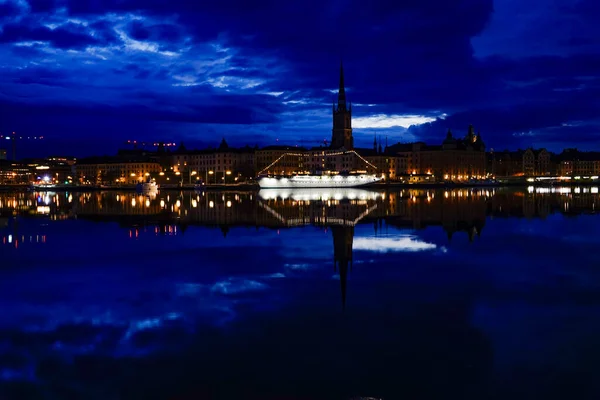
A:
477,274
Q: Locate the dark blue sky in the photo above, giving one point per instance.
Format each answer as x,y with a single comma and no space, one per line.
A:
90,74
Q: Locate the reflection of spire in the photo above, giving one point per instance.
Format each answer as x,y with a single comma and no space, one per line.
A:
342,254
225,230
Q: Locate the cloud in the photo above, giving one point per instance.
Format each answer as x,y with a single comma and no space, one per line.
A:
471,60
67,36
390,121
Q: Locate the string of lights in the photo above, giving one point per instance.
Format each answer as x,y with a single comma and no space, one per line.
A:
339,153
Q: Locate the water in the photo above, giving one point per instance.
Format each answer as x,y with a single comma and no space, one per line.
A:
471,294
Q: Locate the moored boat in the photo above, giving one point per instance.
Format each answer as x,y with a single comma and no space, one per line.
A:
147,187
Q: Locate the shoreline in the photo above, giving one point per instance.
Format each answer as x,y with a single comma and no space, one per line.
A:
256,188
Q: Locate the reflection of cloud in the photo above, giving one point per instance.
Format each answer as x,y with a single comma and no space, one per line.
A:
385,244
234,286
298,267
275,275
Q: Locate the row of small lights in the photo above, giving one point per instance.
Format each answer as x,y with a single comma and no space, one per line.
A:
312,155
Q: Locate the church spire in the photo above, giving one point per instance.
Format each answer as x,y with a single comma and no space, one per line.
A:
342,89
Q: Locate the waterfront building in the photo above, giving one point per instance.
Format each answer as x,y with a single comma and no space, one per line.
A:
572,162
279,160
221,165
530,162
455,159
116,170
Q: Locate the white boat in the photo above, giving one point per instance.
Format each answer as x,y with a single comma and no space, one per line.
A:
317,181
147,187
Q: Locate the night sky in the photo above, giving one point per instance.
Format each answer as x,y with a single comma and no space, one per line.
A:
90,74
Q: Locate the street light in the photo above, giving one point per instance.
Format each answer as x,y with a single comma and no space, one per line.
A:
210,173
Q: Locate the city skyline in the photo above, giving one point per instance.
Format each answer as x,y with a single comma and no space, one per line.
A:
89,77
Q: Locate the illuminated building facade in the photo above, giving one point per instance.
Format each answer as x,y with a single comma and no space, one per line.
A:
222,165
529,162
114,170
455,159
572,162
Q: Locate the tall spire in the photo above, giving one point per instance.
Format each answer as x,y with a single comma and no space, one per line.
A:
342,89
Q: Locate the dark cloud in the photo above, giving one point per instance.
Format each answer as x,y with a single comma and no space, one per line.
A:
67,36
159,32
246,112
43,6
8,9
103,31
469,59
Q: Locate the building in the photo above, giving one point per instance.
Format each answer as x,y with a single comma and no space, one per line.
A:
572,162
280,160
506,163
382,161
455,159
115,170
213,165
224,164
536,162
16,173
529,162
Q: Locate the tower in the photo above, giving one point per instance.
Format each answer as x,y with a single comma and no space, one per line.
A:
341,135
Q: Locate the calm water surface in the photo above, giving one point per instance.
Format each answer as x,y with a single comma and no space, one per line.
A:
467,294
